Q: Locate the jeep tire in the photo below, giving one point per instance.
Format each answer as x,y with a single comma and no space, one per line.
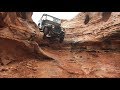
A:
45,31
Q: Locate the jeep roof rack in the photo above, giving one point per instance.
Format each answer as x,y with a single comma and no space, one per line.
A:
50,16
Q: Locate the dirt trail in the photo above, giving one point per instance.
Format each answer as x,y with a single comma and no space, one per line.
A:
69,64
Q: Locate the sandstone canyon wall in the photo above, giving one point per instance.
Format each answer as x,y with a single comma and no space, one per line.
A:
91,48
17,32
94,27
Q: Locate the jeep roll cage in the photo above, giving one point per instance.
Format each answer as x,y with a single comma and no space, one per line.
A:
50,18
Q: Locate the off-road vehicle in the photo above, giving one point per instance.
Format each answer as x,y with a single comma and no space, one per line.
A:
51,27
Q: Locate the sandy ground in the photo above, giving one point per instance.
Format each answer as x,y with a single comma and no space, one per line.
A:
69,64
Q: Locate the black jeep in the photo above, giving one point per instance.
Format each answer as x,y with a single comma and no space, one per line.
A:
51,27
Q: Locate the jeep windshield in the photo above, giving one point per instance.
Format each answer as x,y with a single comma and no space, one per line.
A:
51,18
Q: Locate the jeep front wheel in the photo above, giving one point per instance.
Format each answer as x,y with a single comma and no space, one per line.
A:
45,31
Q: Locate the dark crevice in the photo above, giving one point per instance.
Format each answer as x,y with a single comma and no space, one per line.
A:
106,16
2,23
21,14
87,19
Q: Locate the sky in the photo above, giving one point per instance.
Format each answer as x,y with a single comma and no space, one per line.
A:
62,15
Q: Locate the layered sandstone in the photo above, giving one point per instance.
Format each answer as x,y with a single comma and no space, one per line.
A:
91,48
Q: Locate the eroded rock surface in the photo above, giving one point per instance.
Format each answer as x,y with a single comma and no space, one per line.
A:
91,48
18,35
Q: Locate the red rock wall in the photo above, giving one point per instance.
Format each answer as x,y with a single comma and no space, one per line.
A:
93,27
17,32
